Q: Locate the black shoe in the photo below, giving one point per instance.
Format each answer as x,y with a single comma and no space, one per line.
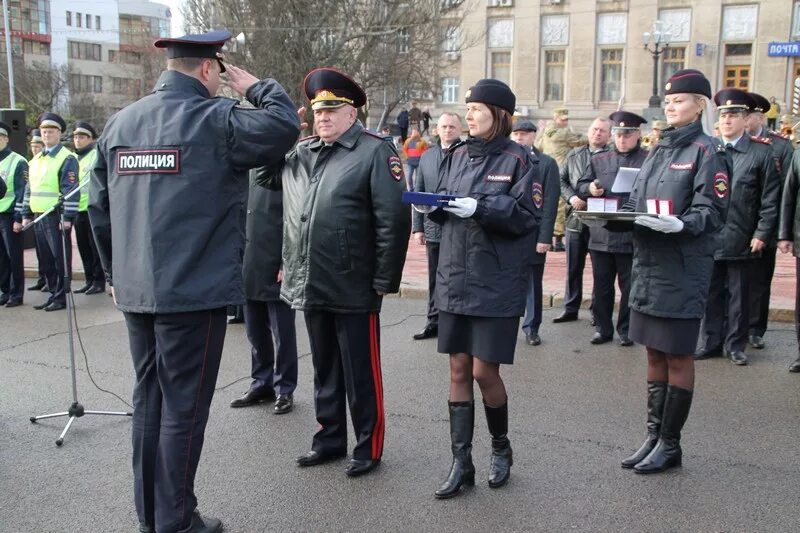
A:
624,340
284,404
502,456
13,303
203,524
738,357
795,367
83,289
4,299
533,339
55,306
462,471
656,393
144,528
565,317
667,452
39,285
95,289
597,338
757,342
46,288
314,458
429,332
359,467
42,305
592,321
699,355
252,397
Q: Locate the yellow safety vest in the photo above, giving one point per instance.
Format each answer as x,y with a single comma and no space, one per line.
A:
8,169
44,177
85,166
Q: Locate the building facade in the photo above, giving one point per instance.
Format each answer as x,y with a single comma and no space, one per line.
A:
589,54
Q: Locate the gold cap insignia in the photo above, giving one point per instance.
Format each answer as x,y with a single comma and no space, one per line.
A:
621,124
728,102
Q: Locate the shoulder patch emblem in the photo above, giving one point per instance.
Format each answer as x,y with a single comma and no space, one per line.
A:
682,166
395,167
538,195
503,178
721,184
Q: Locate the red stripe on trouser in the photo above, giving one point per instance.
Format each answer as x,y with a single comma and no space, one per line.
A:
375,359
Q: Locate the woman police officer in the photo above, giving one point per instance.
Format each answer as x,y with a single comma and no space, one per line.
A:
672,262
488,240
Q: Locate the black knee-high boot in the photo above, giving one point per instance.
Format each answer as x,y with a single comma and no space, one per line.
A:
502,458
462,423
656,392
667,452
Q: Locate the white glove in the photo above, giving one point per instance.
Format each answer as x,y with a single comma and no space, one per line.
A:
664,223
462,207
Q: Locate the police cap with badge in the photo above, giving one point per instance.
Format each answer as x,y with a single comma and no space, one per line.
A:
733,101
625,121
328,88
84,128
689,81
202,45
5,129
492,92
51,120
36,137
760,104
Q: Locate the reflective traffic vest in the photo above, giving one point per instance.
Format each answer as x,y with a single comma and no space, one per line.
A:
85,166
8,169
44,177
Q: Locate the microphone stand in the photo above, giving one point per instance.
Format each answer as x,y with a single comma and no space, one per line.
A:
76,410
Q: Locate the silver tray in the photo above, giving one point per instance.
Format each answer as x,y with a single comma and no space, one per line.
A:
620,215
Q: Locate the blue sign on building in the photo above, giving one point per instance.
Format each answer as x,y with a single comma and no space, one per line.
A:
783,49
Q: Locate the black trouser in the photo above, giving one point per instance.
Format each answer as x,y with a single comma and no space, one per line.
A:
92,268
797,299
345,349
577,244
432,249
12,273
533,305
606,269
726,321
176,358
762,270
49,236
38,247
273,340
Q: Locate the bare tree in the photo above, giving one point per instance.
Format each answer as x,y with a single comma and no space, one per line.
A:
394,48
39,86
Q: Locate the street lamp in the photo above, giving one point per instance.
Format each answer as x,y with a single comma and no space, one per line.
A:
655,43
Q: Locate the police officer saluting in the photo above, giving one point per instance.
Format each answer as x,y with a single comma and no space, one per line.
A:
345,239
752,219
612,252
13,175
165,204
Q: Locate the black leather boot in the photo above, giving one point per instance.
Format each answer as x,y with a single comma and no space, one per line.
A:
667,453
656,392
502,457
462,423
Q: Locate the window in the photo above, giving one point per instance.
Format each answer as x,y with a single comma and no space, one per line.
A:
612,28
126,86
672,60
88,21
500,33
78,20
69,18
610,75
796,22
112,56
739,23
35,47
738,49
554,61
130,58
97,22
84,83
737,76
501,67
88,51
403,40
449,90
500,3
452,39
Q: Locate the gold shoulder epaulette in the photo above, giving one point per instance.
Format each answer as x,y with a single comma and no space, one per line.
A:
762,140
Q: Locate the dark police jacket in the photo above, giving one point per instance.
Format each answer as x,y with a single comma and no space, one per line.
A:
672,271
484,260
603,167
264,241
168,191
789,225
575,166
549,171
782,150
426,179
753,209
345,227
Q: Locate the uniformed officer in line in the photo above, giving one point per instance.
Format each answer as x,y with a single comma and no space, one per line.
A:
655,132
13,175
425,231
750,224
84,139
165,203
577,234
612,251
269,321
556,141
763,267
524,132
789,237
346,232
52,173
37,145
787,128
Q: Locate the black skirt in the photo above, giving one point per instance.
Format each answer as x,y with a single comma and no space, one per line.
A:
670,335
490,339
